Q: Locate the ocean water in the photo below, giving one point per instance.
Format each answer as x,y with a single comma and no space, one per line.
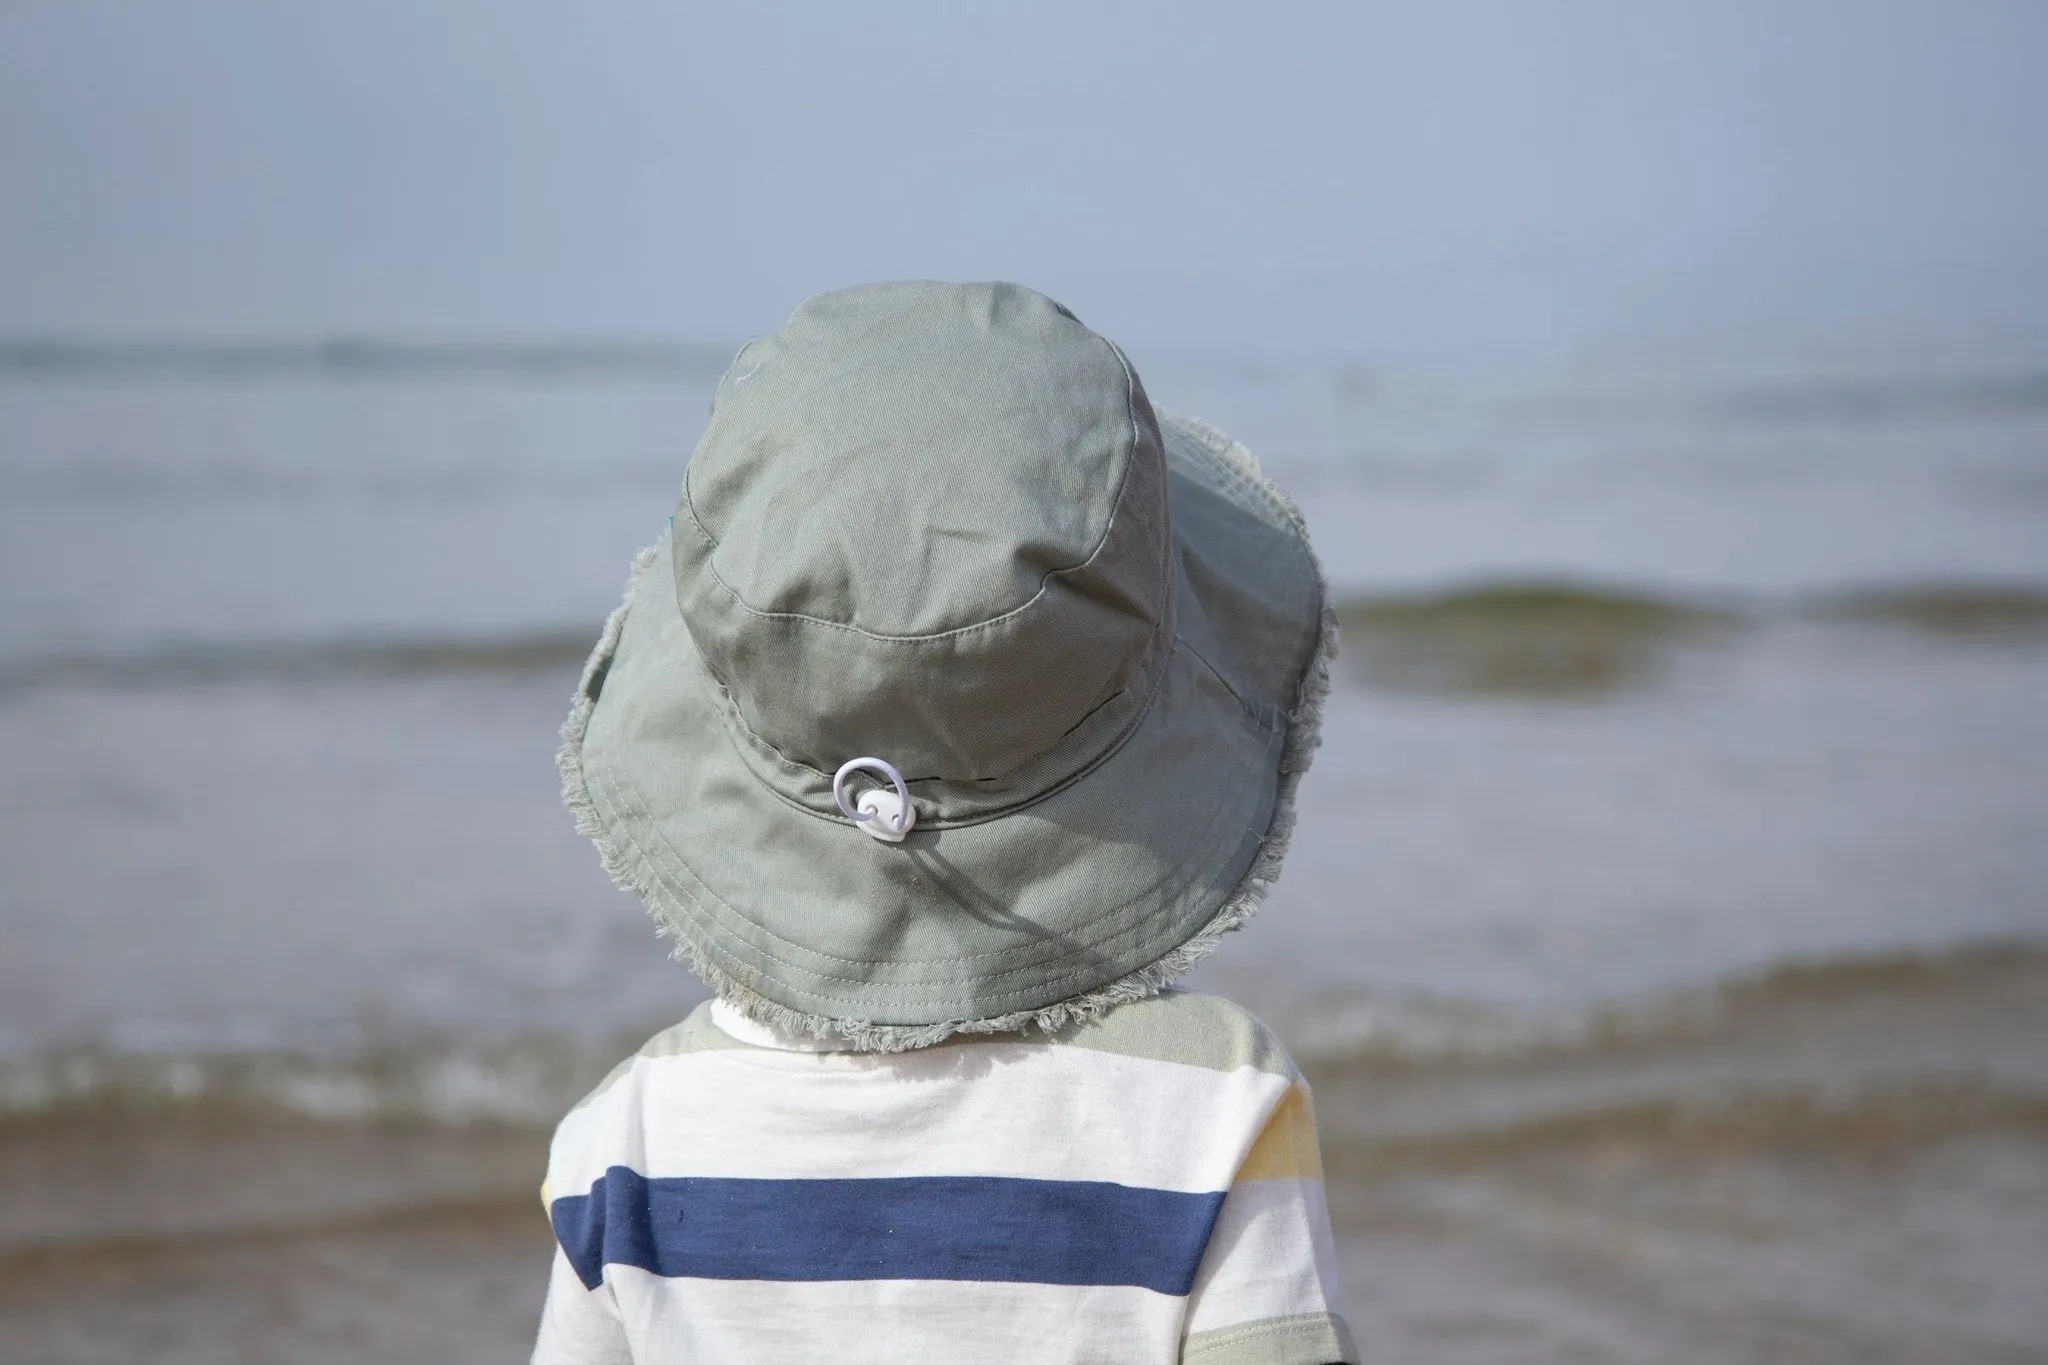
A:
1666,931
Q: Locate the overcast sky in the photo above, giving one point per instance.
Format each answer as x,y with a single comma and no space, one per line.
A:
1426,169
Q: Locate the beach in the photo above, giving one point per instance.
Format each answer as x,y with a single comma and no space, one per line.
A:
1766,1178
1665,936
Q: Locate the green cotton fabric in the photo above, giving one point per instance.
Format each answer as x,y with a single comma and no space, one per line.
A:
900,498
944,526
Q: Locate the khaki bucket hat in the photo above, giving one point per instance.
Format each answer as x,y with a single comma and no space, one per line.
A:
966,691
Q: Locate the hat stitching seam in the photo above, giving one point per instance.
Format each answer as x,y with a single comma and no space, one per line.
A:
623,786
657,850
797,765
1166,548
1264,715
978,627
967,822
689,503
605,657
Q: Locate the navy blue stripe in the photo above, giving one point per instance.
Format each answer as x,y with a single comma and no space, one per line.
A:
917,1228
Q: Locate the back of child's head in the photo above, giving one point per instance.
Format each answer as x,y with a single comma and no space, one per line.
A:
966,691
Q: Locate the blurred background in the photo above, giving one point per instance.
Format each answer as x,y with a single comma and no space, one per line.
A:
1665,385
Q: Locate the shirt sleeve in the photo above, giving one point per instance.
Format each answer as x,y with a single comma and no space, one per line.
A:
1266,1291
579,1326
580,1322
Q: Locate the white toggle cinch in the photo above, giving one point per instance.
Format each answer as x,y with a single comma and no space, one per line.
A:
883,814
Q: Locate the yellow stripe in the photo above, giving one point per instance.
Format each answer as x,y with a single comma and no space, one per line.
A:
1286,1149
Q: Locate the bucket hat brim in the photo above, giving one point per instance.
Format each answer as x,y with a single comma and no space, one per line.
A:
1105,889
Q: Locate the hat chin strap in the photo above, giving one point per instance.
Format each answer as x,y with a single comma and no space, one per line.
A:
881,814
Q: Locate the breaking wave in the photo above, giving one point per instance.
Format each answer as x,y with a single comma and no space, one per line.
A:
1390,1030
1886,1050
1566,639
1957,998
527,1083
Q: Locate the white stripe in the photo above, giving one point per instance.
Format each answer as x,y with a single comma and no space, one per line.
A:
885,1322
1270,1256
578,1326
1032,1111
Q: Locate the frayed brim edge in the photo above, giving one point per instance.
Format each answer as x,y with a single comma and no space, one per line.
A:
1304,734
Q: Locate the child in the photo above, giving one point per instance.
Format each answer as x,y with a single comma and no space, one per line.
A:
958,713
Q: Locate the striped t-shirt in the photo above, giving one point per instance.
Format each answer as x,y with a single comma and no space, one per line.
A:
1145,1187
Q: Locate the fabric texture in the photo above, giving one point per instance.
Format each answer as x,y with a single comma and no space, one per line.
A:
943,525
1141,1187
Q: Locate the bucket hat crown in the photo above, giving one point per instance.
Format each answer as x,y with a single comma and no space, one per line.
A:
930,526
937,536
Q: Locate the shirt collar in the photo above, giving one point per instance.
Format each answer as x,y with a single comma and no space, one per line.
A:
727,1019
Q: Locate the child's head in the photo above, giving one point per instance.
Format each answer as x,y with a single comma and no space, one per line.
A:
935,543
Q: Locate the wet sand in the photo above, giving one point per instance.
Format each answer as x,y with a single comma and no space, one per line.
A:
213,1236
1839,1164
1619,1250
452,1285
1627,1250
